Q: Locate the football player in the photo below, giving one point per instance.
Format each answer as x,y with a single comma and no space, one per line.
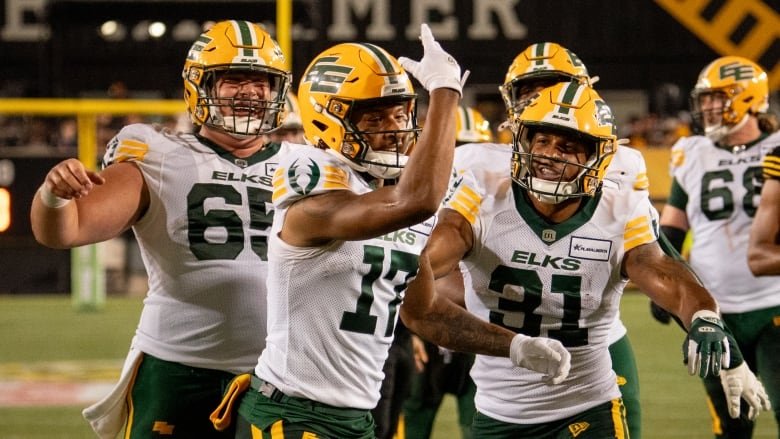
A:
714,194
344,247
549,244
535,68
197,204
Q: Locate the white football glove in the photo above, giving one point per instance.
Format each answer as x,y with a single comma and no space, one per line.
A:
543,355
739,383
436,69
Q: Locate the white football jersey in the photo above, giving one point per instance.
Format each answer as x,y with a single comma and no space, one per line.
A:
332,309
719,190
555,280
203,241
627,169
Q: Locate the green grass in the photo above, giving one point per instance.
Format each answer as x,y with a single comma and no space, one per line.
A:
46,328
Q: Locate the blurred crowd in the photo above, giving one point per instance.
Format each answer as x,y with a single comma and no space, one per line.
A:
40,135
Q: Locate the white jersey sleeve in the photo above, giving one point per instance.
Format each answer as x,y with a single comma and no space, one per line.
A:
628,167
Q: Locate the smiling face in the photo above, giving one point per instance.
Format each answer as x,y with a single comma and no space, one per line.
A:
556,154
384,127
243,90
711,106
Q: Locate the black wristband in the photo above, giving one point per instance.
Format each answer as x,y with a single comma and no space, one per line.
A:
674,237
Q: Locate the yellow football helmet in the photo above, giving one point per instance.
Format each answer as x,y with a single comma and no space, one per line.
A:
548,62
234,45
472,127
743,87
571,108
349,76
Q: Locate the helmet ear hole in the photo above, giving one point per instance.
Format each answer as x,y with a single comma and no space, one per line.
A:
320,126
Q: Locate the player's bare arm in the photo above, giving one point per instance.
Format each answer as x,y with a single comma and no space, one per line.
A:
668,282
764,244
102,206
433,319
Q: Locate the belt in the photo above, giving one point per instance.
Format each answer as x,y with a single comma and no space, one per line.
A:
271,392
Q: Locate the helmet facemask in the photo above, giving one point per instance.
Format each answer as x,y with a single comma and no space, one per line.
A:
577,113
242,116
526,166
356,145
719,119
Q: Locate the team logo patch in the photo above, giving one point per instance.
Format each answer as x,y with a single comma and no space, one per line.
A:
591,249
578,427
303,179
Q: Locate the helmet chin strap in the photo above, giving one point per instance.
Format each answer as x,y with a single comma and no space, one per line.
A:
375,169
717,133
375,162
251,124
543,190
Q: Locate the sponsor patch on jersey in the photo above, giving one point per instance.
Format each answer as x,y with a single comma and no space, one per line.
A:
592,249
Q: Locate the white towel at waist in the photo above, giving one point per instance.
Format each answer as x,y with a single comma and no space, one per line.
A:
108,416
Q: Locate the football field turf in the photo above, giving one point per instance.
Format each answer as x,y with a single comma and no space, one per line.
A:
45,344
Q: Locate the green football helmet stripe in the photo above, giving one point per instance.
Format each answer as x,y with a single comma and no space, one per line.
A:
383,60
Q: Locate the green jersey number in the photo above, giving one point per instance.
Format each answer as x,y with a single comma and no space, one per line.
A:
200,220
717,201
570,334
361,320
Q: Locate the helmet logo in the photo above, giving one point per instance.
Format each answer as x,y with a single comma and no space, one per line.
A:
604,116
737,71
198,46
326,76
575,60
303,179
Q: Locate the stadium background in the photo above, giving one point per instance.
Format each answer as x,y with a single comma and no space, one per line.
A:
647,54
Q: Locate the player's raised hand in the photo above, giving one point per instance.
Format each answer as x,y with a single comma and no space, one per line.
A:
540,354
437,68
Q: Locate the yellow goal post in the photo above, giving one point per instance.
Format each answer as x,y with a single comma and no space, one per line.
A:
88,288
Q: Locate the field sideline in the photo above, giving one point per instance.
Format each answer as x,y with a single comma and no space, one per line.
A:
45,341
